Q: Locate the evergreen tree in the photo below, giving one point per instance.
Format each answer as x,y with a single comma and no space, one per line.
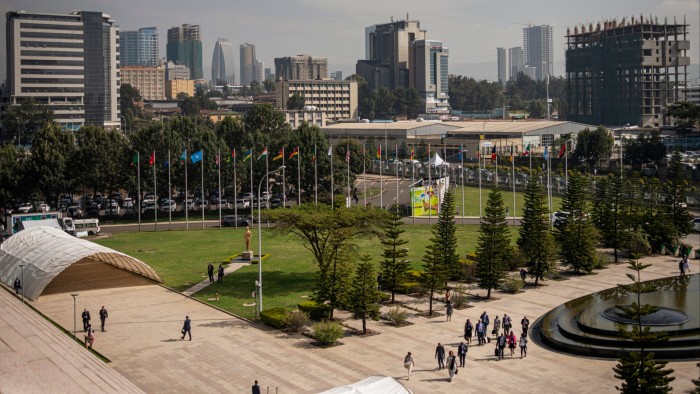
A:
608,212
394,266
577,237
536,241
493,249
364,299
675,189
433,275
445,236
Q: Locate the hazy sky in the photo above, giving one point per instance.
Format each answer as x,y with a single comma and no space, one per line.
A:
472,29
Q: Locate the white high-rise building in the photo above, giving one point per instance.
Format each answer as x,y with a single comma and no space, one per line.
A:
538,50
516,65
68,62
139,47
248,61
222,68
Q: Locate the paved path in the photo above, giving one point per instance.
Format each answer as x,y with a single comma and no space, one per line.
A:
232,267
227,353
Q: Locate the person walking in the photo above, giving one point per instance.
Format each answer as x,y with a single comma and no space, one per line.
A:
485,321
210,271
448,295
187,328
449,310
86,319
523,274
18,285
525,323
103,317
496,326
452,365
500,346
89,337
408,364
512,340
480,332
523,345
256,388
468,328
221,274
462,350
507,323
440,355
681,267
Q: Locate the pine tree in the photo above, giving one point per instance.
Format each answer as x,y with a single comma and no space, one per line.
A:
536,241
433,275
394,266
364,299
493,249
675,189
608,212
445,236
577,238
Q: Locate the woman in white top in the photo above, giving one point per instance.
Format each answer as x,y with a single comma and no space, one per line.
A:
408,364
523,346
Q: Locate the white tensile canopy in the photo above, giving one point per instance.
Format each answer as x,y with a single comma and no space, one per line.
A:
372,385
45,252
436,160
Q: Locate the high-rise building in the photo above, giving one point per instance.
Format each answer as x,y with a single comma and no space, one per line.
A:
247,63
149,81
139,47
538,50
258,71
516,64
337,75
299,67
68,62
501,65
176,71
430,74
625,71
185,47
269,74
388,47
222,68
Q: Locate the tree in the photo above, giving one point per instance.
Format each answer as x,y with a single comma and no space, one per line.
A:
384,102
537,109
394,266
577,237
414,103
48,166
364,298
433,275
128,97
675,189
687,113
25,120
592,146
190,106
295,101
493,249
644,149
445,236
269,85
11,174
536,241
607,212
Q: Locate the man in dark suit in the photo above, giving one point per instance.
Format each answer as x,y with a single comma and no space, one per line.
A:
221,274
86,319
256,388
210,271
103,316
440,355
187,328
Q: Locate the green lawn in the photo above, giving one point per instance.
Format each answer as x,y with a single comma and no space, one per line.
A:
471,200
181,258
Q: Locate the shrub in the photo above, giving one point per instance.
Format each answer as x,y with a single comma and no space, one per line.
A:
328,332
296,320
601,261
315,311
517,259
274,317
512,284
468,268
459,300
384,297
397,315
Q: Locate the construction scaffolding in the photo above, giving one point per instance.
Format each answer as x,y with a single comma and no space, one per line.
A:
625,71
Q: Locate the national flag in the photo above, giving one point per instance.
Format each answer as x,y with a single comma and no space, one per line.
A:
494,155
511,153
413,153
248,155
264,153
396,152
526,152
379,152
294,152
184,155
330,150
152,159
197,156
232,157
347,155
135,160
461,151
279,155
166,164
562,151
546,154
216,160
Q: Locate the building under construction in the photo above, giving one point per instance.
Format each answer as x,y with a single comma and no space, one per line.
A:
625,71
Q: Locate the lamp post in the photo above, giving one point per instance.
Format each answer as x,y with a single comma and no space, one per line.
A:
74,295
126,124
566,162
259,284
22,267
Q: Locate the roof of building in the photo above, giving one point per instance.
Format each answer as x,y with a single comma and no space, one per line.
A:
512,126
45,252
410,125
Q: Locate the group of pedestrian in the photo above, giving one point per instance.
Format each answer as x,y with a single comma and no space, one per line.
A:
452,363
504,338
87,327
220,272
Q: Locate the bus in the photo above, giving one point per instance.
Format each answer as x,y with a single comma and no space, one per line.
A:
85,227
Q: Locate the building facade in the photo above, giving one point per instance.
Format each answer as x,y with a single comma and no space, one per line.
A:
222,68
149,81
68,62
298,67
625,71
430,74
337,99
185,47
247,60
139,47
337,75
538,50
176,71
259,71
516,64
175,86
311,115
501,66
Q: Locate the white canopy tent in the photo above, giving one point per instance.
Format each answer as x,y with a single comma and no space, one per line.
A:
372,385
45,252
436,160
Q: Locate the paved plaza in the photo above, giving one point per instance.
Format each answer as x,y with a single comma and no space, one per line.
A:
226,354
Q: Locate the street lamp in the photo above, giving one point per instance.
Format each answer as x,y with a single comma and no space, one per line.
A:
22,267
126,124
74,295
566,162
259,284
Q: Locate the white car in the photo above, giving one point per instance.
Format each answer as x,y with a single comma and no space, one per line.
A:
696,224
43,207
168,205
242,204
24,208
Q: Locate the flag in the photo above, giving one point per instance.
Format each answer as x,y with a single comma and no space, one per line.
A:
152,159
279,155
264,153
197,156
166,164
248,155
526,152
396,152
562,151
294,152
135,160
216,160
379,152
330,150
494,155
184,155
232,157
511,153
347,155
546,154
413,152
461,151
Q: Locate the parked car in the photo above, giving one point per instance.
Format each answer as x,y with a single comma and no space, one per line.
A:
558,218
25,208
233,220
275,203
149,206
111,208
242,204
74,211
43,207
696,224
168,205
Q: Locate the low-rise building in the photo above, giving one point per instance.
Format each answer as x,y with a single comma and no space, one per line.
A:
309,114
176,86
337,99
217,115
149,81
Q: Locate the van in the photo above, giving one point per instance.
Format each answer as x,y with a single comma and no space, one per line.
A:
86,226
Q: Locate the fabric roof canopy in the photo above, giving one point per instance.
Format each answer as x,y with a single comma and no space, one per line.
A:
46,252
373,384
436,160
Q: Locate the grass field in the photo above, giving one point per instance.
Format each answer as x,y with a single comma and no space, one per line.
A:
471,200
181,258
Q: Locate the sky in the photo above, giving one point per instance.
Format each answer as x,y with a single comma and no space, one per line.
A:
471,29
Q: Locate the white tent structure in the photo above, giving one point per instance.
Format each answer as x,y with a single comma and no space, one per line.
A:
47,252
436,160
372,385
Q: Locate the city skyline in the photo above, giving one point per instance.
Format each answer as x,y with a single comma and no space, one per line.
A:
470,29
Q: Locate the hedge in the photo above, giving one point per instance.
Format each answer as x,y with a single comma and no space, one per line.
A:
274,317
315,311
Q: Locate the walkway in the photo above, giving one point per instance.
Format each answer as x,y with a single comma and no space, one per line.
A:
232,267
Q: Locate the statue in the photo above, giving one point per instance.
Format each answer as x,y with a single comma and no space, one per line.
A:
247,236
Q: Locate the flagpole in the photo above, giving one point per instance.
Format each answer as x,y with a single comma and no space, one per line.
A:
170,196
218,160
566,164
396,168
412,191
512,160
155,194
187,206
315,177
298,177
496,149
364,174
381,178
235,189
267,187
252,192
330,150
284,181
202,189
347,154
479,155
461,155
430,186
138,184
